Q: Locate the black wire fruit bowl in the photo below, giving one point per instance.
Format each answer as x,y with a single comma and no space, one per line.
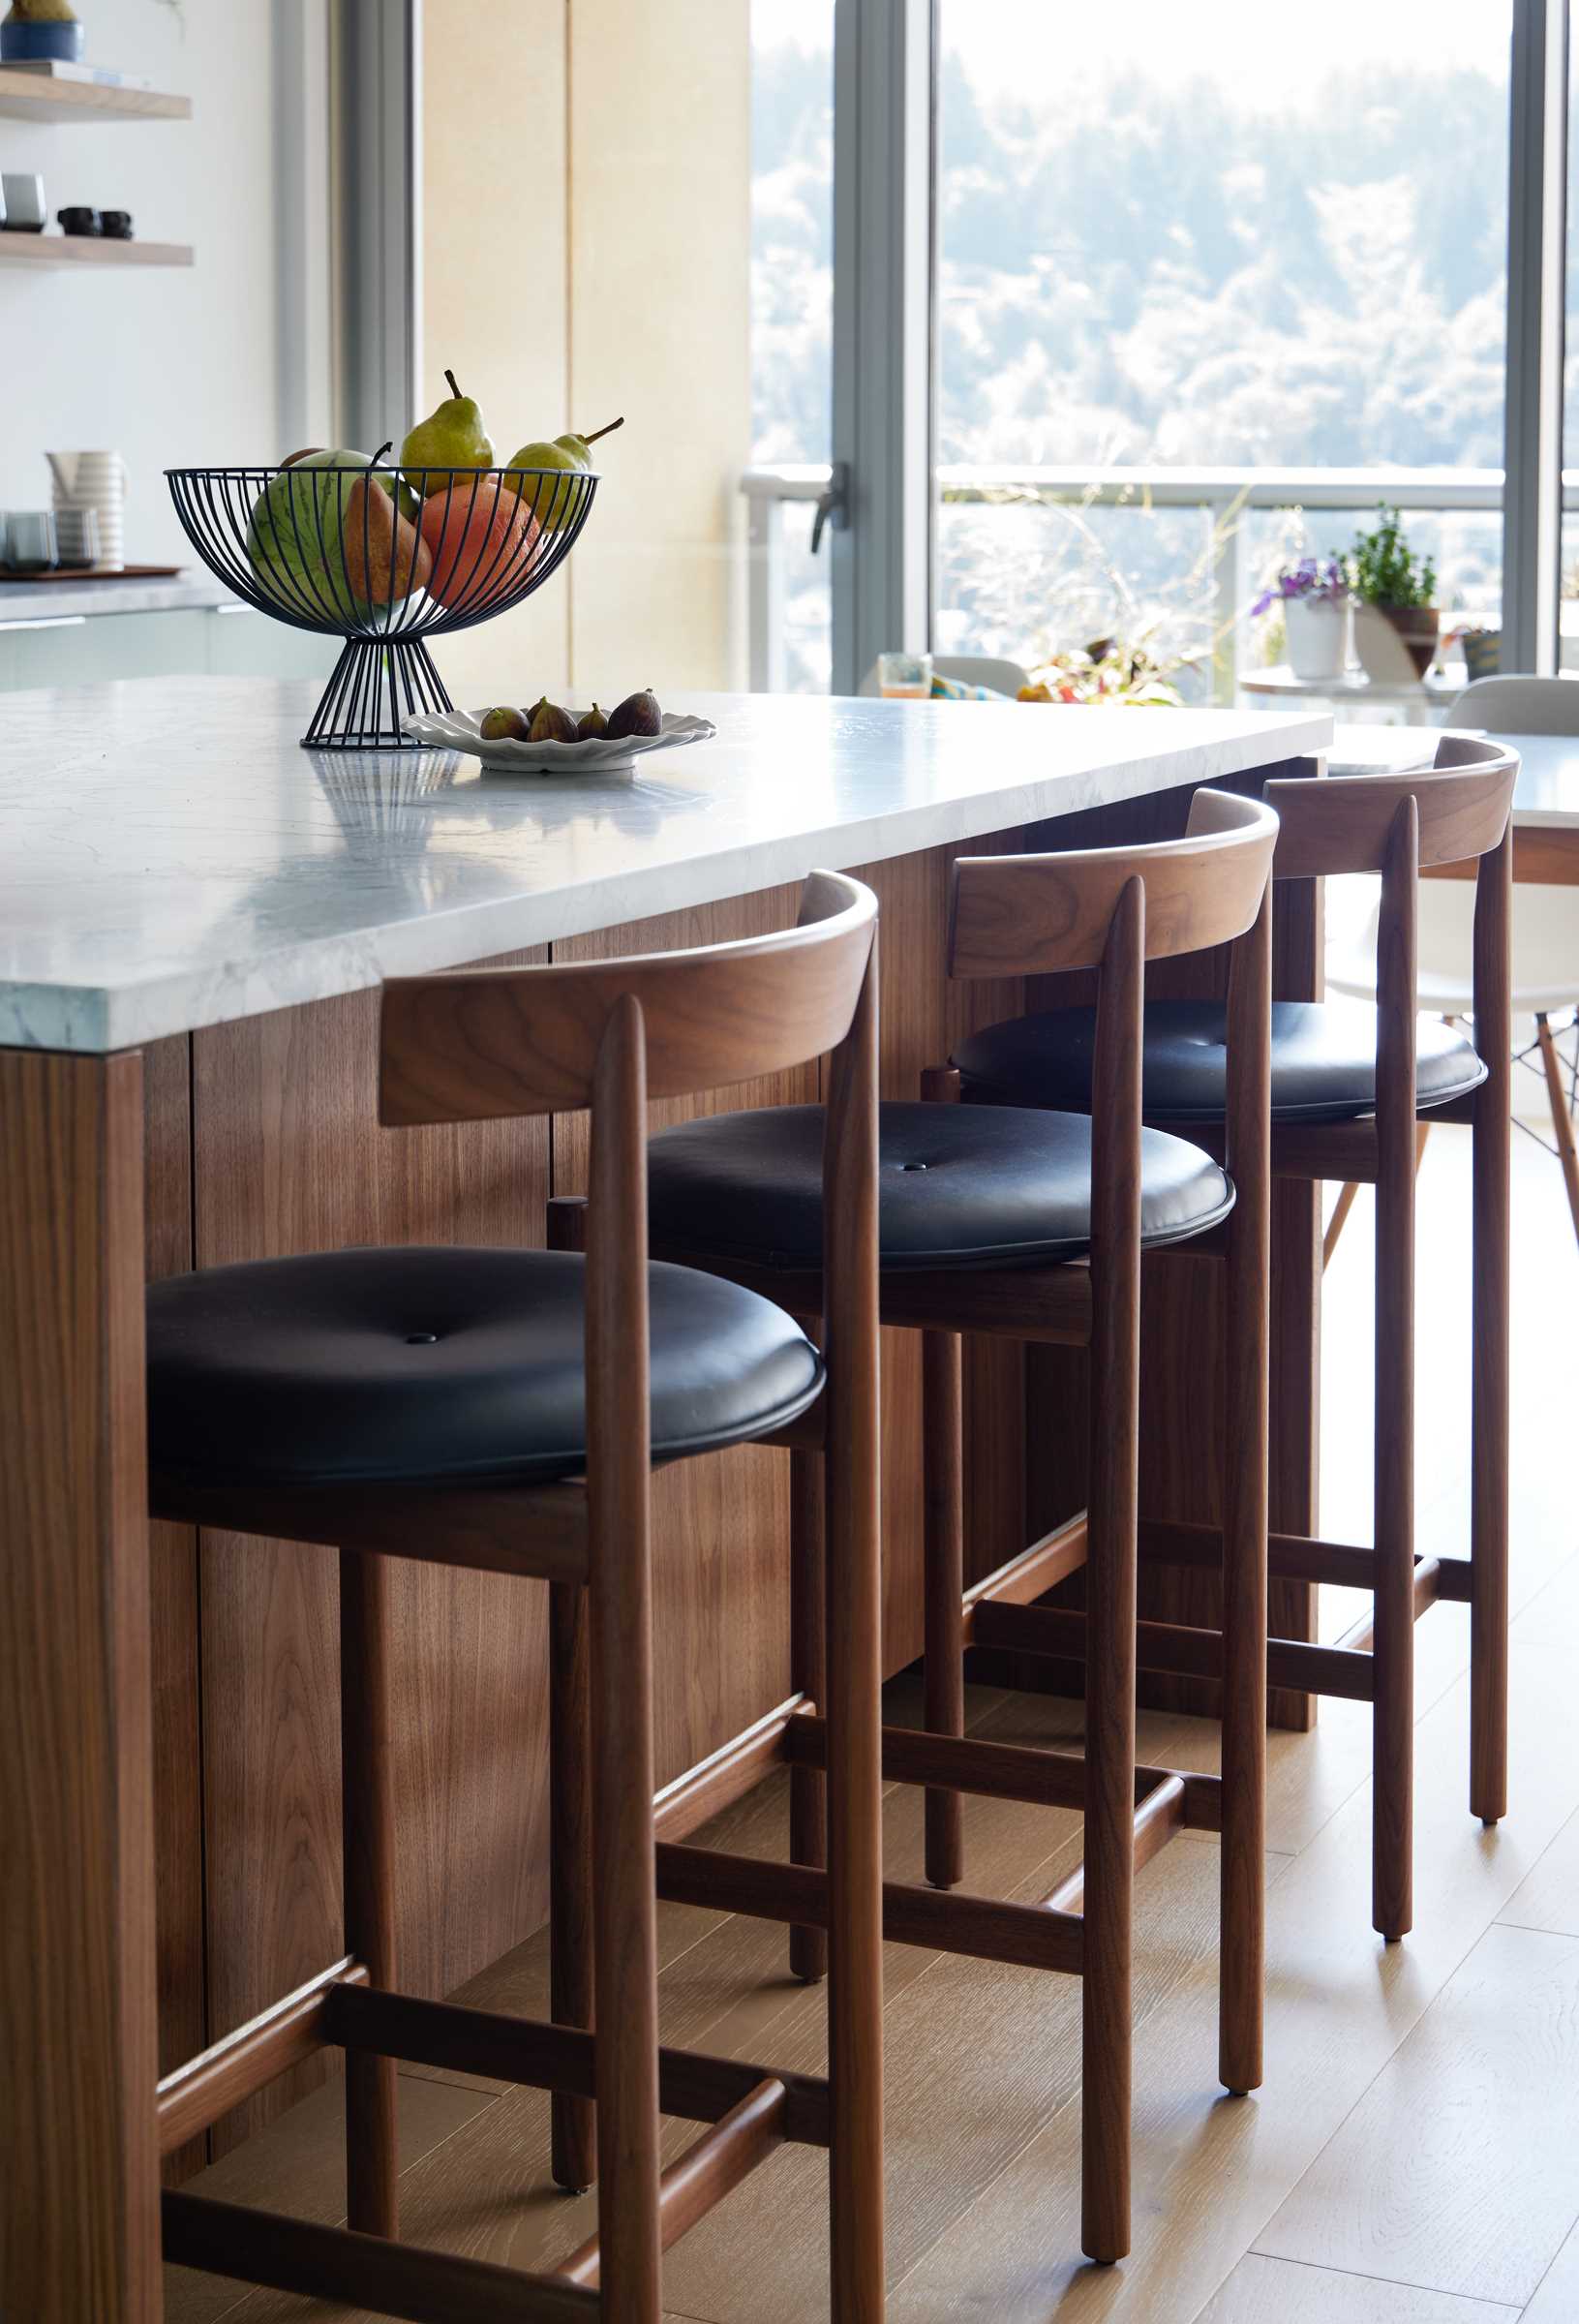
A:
383,557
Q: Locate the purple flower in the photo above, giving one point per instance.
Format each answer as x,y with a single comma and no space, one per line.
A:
1316,579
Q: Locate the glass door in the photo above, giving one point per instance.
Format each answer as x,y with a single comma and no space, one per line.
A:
1210,289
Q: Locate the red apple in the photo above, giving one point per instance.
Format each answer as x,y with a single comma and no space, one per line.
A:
480,536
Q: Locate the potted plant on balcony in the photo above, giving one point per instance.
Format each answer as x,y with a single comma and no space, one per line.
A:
1396,627
1313,597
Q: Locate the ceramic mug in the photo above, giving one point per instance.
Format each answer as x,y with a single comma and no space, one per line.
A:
22,208
95,481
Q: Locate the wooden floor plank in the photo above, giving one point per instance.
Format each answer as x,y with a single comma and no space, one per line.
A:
1557,2301
1210,2173
1549,1899
1276,2291
1457,2168
298,2165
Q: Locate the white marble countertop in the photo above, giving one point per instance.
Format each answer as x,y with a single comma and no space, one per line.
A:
57,600
170,857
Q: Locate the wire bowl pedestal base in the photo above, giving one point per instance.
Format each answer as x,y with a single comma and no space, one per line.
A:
372,689
384,558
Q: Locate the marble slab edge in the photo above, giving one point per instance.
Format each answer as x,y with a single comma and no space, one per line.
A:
97,1020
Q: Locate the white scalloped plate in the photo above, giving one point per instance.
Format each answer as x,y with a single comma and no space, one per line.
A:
458,730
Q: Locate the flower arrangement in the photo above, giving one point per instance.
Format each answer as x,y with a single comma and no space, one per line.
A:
1313,581
1106,671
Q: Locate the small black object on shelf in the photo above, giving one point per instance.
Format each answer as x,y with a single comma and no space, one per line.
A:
313,547
79,221
117,225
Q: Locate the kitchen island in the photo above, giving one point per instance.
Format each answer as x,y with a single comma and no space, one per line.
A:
195,915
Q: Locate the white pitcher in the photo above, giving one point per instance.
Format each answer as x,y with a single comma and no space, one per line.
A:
95,481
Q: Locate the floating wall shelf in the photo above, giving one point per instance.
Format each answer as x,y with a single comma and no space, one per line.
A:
88,250
36,97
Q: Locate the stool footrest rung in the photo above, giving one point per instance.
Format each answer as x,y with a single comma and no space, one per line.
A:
407,2280
1022,1771
1061,1633
1297,1557
546,2057
940,1920
1041,1567
708,2171
196,2094
1159,1818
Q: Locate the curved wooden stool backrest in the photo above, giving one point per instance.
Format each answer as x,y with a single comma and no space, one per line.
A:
1456,811
1113,909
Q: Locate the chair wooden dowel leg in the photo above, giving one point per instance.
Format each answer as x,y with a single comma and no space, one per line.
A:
1338,1221
942,1458
1561,1118
570,1868
808,1675
368,1827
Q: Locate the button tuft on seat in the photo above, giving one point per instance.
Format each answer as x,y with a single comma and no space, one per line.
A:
302,1372
1004,1188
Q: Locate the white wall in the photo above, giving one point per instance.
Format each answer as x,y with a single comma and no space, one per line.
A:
169,366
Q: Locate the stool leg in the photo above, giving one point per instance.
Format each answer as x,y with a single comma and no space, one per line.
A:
808,1675
1392,1716
1113,1520
570,1868
1242,1946
942,1458
368,1825
1492,1136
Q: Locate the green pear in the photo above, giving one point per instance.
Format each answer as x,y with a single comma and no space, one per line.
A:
453,436
554,505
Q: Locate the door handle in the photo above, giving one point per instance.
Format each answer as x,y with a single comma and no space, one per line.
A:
833,504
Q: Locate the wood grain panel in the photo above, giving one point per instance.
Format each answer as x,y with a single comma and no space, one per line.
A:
290,1158
79,2018
172,1551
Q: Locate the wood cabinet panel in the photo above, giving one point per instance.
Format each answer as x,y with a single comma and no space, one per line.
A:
289,1157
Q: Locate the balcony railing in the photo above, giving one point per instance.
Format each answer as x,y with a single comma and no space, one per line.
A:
1221,495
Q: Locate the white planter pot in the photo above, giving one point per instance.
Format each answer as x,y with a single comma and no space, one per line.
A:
1317,636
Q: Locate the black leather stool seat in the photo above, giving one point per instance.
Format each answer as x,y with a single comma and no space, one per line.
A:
441,1367
1324,1060
960,1186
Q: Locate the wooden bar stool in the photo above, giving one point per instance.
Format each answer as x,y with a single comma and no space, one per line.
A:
1351,1085
504,1409
1031,1226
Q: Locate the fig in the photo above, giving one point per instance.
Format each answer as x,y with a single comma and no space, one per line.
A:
592,725
551,724
637,714
503,725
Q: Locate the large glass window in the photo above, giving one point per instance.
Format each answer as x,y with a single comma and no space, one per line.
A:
792,329
1194,273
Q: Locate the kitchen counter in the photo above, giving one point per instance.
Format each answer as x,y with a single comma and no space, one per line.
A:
175,859
57,600
194,914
